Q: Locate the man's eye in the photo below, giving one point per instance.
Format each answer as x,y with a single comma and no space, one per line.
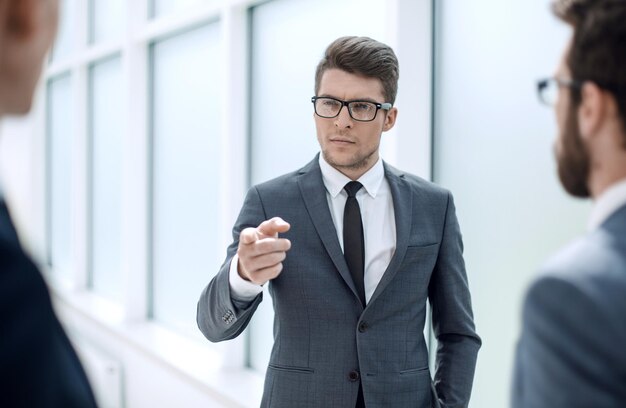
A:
362,106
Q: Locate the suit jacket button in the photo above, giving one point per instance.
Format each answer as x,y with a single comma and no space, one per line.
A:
354,376
363,326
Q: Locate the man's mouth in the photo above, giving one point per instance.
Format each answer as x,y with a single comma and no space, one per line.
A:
341,140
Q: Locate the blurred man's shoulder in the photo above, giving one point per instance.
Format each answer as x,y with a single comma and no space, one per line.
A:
590,268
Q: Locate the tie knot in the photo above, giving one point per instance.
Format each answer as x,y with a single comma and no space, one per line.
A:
352,188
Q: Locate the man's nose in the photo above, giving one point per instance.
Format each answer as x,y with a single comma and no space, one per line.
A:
343,120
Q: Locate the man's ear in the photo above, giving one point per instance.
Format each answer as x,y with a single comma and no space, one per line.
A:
390,119
594,106
20,17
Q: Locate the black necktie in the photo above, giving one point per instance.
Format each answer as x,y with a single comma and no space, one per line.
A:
353,242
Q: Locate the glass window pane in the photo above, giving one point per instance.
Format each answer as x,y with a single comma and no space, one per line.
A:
282,86
60,135
108,18
164,7
186,123
107,128
493,149
64,42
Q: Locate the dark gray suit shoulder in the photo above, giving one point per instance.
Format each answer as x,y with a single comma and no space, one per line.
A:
278,184
415,182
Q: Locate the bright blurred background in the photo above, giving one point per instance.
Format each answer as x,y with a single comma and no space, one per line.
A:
153,117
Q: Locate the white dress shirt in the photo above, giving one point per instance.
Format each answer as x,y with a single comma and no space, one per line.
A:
379,226
604,206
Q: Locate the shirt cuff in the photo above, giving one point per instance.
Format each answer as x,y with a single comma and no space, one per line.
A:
240,288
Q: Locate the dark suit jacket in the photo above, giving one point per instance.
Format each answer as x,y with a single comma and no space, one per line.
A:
572,351
38,366
325,342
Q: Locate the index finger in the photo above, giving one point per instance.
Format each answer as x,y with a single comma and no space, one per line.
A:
248,236
273,226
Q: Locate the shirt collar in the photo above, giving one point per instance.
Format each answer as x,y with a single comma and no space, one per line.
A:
335,181
606,204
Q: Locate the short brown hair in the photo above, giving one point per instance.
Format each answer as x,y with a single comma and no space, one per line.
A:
363,56
598,50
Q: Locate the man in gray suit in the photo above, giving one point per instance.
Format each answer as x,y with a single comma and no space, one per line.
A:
572,352
363,247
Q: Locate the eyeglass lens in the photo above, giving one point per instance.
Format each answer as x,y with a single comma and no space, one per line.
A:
359,110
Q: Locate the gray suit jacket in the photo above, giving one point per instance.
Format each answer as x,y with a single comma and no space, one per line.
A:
572,352
325,342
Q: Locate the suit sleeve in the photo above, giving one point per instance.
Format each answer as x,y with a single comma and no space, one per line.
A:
453,321
568,355
220,316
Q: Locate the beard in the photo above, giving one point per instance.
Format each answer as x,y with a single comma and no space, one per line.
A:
572,158
356,162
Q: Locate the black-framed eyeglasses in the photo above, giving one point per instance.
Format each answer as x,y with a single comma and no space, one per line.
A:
361,111
548,88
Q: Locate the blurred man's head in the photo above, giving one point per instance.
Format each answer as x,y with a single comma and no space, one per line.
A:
27,30
591,106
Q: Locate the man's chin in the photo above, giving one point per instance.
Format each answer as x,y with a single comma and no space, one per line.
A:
336,161
348,162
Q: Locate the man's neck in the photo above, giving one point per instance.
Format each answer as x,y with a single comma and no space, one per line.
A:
607,172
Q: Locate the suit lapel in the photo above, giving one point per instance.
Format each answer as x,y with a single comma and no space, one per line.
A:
314,196
402,207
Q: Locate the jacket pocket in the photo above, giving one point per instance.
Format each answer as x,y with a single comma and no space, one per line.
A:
414,371
291,369
421,253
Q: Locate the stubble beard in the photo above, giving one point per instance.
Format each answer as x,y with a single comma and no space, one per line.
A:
573,160
357,162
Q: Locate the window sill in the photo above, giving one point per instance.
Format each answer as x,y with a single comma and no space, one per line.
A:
201,364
